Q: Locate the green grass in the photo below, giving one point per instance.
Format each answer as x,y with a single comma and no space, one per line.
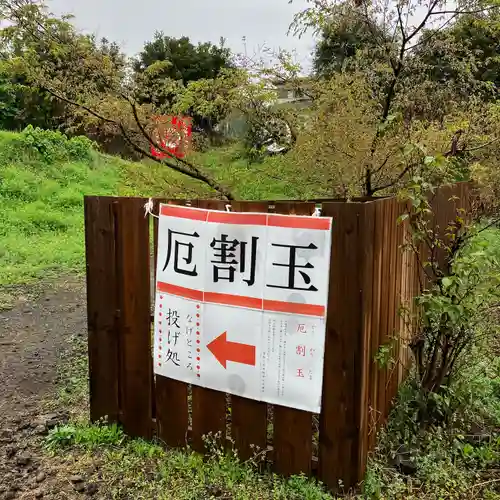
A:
41,216
144,470
44,176
274,178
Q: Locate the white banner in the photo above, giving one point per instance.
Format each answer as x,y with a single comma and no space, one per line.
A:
241,303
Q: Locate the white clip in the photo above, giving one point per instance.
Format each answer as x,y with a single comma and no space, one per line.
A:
148,208
228,208
317,212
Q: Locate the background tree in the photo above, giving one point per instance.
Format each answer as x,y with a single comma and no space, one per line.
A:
165,60
473,42
393,81
345,35
98,93
188,62
25,52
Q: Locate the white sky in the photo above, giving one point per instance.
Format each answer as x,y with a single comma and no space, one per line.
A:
132,22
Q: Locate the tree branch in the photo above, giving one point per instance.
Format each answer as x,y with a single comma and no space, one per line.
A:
191,172
397,179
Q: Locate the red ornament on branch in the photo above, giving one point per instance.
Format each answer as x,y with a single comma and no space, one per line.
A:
173,135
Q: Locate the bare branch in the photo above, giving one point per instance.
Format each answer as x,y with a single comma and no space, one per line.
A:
192,172
396,180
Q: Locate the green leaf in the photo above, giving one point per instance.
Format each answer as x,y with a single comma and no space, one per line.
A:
402,218
447,282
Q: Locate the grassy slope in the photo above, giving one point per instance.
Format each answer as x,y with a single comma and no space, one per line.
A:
41,204
41,201
273,179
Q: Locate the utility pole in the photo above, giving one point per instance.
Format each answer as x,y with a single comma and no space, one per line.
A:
244,39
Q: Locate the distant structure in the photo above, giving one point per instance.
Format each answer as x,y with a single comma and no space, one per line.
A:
288,93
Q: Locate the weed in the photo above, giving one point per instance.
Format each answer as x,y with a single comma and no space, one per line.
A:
52,145
85,436
455,460
146,470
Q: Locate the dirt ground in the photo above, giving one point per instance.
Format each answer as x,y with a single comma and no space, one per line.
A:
34,333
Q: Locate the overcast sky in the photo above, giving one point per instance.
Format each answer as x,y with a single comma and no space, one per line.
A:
132,22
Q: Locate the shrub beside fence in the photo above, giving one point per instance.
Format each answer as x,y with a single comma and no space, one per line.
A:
370,278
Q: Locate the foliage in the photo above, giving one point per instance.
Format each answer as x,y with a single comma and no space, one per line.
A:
335,153
43,179
457,460
148,470
55,146
90,436
347,39
90,81
465,53
170,70
209,101
460,282
25,52
398,84
185,62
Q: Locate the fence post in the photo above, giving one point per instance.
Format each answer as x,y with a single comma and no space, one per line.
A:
343,419
133,259
100,248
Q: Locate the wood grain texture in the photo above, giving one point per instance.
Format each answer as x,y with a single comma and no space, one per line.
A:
102,313
133,258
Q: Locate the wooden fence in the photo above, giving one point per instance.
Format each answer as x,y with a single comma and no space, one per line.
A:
370,277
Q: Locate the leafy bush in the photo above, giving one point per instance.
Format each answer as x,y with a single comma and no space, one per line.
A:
53,145
86,436
453,460
200,142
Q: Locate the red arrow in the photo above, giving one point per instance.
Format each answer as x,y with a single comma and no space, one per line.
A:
226,351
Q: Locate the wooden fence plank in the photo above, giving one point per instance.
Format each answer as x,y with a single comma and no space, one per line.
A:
248,426
394,272
135,317
209,406
367,255
400,330
209,416
171,411
171,396
292,429
154,223
377,291
292,451
248,417
102,308
339,419
384,309
399,302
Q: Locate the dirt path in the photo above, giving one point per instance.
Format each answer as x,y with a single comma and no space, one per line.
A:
33,335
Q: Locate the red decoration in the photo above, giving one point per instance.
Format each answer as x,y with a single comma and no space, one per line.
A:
173,135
